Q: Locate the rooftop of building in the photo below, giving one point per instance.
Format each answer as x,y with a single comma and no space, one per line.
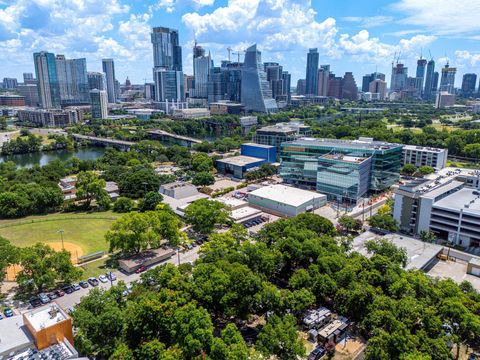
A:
45,316
284,127
244,213
423,148
286,194
419,253
240,160
345,158
439,190
13,334
232,202
176,185
259,145
467,199
362,143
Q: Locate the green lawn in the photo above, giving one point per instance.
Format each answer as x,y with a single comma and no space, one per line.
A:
82,229
95,268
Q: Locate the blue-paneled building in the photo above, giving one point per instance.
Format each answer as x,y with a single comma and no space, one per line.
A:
266,152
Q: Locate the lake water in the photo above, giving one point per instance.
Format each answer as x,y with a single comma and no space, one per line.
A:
43,158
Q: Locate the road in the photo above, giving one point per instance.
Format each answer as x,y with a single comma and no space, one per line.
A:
70,300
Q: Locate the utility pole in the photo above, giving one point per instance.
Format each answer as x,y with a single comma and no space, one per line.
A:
61,231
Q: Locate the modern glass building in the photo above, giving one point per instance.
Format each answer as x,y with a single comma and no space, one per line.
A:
429,80
99,101
73,80
312,72
201,71
447,81
256,92
169,85
109,69
275,135
46,73
167,52
343,169
97,80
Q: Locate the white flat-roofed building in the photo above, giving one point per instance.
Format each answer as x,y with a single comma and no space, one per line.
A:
244,214
425,156
285,201
191,113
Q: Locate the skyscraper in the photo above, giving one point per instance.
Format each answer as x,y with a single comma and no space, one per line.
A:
349,87
429,79
368,78
10,83
301,86
97,80
312,72
436,77
167,52
167,65
335,86
46,74
201,70
469,83
99,102
72,80
421,68
27,77
447,81
379,87
256,93
399,77
108,67
322,80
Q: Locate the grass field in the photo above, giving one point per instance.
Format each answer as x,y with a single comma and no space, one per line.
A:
82,229
95,268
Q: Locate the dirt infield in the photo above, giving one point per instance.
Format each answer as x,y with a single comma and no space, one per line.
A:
75,252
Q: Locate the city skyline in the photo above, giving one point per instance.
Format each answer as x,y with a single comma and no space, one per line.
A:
354,37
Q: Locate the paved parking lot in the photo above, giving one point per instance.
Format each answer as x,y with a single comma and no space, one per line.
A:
455,270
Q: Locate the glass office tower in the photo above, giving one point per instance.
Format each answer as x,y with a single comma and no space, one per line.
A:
46,73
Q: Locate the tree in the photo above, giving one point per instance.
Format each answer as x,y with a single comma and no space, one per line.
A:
205,214
137,181
8,256
231,346
203,179
123,205
428,236
315,223
42,267
202,163
385,222
425,170
408,169
349,223
13,204
150,201
135,232
387,248
90,187
279,337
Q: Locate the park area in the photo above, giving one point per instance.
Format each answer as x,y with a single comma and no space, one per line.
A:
83,233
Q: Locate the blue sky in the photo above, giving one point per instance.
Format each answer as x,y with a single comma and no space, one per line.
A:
351,35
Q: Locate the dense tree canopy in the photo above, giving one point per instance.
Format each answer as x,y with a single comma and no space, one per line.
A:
205,214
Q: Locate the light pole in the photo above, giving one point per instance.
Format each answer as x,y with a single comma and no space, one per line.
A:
61,231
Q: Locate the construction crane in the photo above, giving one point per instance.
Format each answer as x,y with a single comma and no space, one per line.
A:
229,49
238,54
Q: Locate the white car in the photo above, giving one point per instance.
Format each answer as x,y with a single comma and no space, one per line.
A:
103,278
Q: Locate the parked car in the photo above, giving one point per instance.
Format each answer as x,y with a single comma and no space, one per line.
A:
59,293
68,289
83,284
8,312
111,276
103,278
1,316
93,281
76,287
141,269
52,295
316,353
44,298
35,301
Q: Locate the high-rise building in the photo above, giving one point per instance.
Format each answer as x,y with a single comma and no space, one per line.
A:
279,81
27,77
225,82
368,78
99,102
256,93
349,87
10,83
201,70
149,91
46,74
72,80
469,84
322,80
399,77
97,80
301,86
421,69
30,93
414,87
108,68
167,52
312,72
167,65
429,80
436,78
379,87
335,86
447,81
169,85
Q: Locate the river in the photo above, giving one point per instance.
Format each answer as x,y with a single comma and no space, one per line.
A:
43,158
